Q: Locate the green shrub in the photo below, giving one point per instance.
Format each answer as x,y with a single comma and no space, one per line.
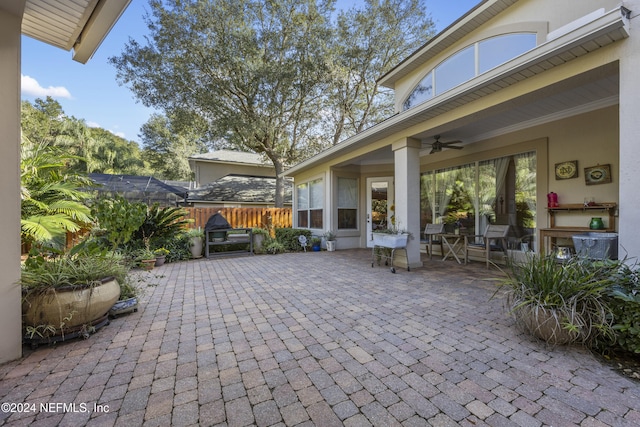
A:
118,218
625,304
288,237
178,246
274,247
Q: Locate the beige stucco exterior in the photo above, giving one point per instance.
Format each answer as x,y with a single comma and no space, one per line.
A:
208,171
597,131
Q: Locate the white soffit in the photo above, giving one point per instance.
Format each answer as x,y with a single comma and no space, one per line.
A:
80,25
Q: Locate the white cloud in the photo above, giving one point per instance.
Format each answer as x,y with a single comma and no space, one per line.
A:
93,125
31,87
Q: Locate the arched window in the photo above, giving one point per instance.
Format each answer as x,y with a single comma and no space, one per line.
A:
468,63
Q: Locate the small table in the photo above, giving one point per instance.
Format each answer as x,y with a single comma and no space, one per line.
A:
453,243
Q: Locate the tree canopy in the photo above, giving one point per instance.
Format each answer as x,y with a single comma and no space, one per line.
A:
282,78
89,149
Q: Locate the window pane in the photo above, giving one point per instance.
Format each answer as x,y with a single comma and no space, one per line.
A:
525,197
303,219
303,196
455,70
347,219
454,198
421,93
498,50
316,194
316,218
427,201
347,193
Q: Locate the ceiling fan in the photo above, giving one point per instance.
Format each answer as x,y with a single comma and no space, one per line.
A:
437,146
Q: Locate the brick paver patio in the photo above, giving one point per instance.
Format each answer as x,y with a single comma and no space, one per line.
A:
315,339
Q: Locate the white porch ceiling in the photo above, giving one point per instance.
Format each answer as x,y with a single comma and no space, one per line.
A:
80,25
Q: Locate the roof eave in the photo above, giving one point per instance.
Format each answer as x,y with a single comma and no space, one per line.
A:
103,18
607,29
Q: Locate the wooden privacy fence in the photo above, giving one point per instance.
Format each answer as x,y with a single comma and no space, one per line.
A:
243,217
237,217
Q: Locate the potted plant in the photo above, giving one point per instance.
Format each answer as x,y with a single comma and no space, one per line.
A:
68,296
315,243
161,254
128,301
145,258
330,239
196,238
259,236
392,237
560,303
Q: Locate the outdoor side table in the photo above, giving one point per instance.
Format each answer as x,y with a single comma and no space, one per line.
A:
453,244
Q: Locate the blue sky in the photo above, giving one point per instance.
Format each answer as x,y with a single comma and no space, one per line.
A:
90,91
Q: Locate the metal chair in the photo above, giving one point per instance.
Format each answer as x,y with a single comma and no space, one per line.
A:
494,239
430,233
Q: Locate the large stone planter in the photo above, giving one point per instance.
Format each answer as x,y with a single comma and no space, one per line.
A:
195,244
69,308
546,324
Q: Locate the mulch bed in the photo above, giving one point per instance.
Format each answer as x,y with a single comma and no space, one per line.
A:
626,364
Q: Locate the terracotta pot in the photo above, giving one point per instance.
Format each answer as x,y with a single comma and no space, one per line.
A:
148,264
69,307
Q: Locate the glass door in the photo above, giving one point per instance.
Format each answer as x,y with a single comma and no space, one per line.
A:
379,205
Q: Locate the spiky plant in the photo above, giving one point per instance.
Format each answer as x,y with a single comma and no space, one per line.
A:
561,302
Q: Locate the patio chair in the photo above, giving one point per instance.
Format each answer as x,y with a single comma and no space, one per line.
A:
494,239
430,237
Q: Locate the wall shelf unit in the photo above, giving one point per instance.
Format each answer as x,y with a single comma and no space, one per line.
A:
553,231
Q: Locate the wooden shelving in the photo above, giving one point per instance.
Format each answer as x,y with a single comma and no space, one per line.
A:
554,231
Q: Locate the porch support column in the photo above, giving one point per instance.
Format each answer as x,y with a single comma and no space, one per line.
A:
10,296
629,198
407,192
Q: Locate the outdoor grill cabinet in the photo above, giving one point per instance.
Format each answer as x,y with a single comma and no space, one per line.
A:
228,237
218,232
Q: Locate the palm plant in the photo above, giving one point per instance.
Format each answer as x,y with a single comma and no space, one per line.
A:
162,223
51,199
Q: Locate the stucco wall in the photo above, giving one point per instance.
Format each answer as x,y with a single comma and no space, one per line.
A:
10,309
207,172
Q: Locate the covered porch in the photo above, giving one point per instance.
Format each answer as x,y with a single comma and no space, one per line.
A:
560,102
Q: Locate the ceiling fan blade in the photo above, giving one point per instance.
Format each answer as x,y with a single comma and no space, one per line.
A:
455,147
433,150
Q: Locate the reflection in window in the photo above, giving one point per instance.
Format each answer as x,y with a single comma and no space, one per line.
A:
504,192
310,204
347,203
498,50
421,93
457,69
461,66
